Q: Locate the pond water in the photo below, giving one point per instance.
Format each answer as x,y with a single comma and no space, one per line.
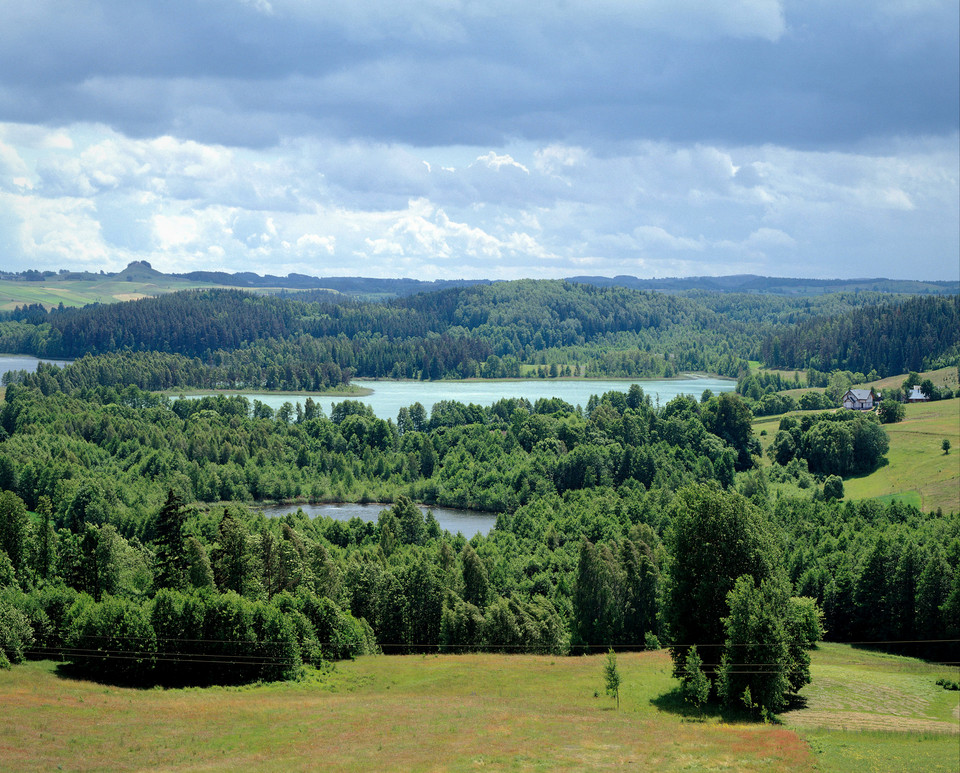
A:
10,362
390,396
467,522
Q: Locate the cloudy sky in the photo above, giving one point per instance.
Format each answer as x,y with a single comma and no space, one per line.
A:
482,138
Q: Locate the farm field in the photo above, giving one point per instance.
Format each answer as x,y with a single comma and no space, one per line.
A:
917,471
917,467
462,712
79,292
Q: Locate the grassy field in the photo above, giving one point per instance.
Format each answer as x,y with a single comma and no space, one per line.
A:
868,711
917,470
79,293
75,292
942,377
464,712
917,467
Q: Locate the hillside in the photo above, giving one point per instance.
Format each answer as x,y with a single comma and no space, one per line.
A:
139,279
463,712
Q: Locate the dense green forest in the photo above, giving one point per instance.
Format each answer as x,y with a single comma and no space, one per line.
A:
131,544
890,338
605,516
309,341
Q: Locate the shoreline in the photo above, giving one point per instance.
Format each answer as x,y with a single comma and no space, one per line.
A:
687,376
347,392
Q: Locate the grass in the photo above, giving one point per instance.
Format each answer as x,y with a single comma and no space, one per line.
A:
941,377
75,292
917,467
462,712
869,711
917,471
79,293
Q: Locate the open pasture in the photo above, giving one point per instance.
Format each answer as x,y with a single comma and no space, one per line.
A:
463,712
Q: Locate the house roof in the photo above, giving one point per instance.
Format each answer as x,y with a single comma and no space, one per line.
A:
916,394
860,394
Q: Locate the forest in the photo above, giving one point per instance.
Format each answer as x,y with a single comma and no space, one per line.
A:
507,329
131,544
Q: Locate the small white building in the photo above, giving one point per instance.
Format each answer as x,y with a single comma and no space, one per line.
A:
916,396
860,399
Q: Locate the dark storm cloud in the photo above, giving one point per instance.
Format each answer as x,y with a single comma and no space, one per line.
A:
807,75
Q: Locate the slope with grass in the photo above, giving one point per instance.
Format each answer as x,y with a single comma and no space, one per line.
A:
461,712
917,466
109,289
917,471
871,711
72,292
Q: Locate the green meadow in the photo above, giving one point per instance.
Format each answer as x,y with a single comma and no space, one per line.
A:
52,292
77,292
864,711
917,471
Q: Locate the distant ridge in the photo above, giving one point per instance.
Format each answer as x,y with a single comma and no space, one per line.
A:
151,282
752,283
348,285
737,283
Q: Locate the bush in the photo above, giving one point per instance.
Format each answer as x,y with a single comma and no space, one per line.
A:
805,621
833,488
339,633
15,632
891,411
112,639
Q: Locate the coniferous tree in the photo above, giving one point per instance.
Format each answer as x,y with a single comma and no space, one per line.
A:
475,581
611,676
695,685
171,566
45,542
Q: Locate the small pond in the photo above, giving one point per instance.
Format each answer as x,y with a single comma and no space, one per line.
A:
467,522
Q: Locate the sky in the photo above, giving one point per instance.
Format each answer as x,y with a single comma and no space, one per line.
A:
497,139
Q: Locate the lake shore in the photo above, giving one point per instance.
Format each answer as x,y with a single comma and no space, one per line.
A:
686,376
348,391
387,396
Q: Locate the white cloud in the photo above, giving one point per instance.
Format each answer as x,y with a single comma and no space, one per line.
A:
315,242
497,162
313,207
12,166
655,237
61,232
174,230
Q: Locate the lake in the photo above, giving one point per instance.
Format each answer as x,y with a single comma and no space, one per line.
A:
390,396
10,362
467,522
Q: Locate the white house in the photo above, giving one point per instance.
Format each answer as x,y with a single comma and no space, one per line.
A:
860,399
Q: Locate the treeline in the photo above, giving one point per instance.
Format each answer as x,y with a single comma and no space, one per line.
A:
486,331
891,338
885,575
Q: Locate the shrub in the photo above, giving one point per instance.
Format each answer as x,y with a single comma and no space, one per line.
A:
112,639
15,632
891,411
833,488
